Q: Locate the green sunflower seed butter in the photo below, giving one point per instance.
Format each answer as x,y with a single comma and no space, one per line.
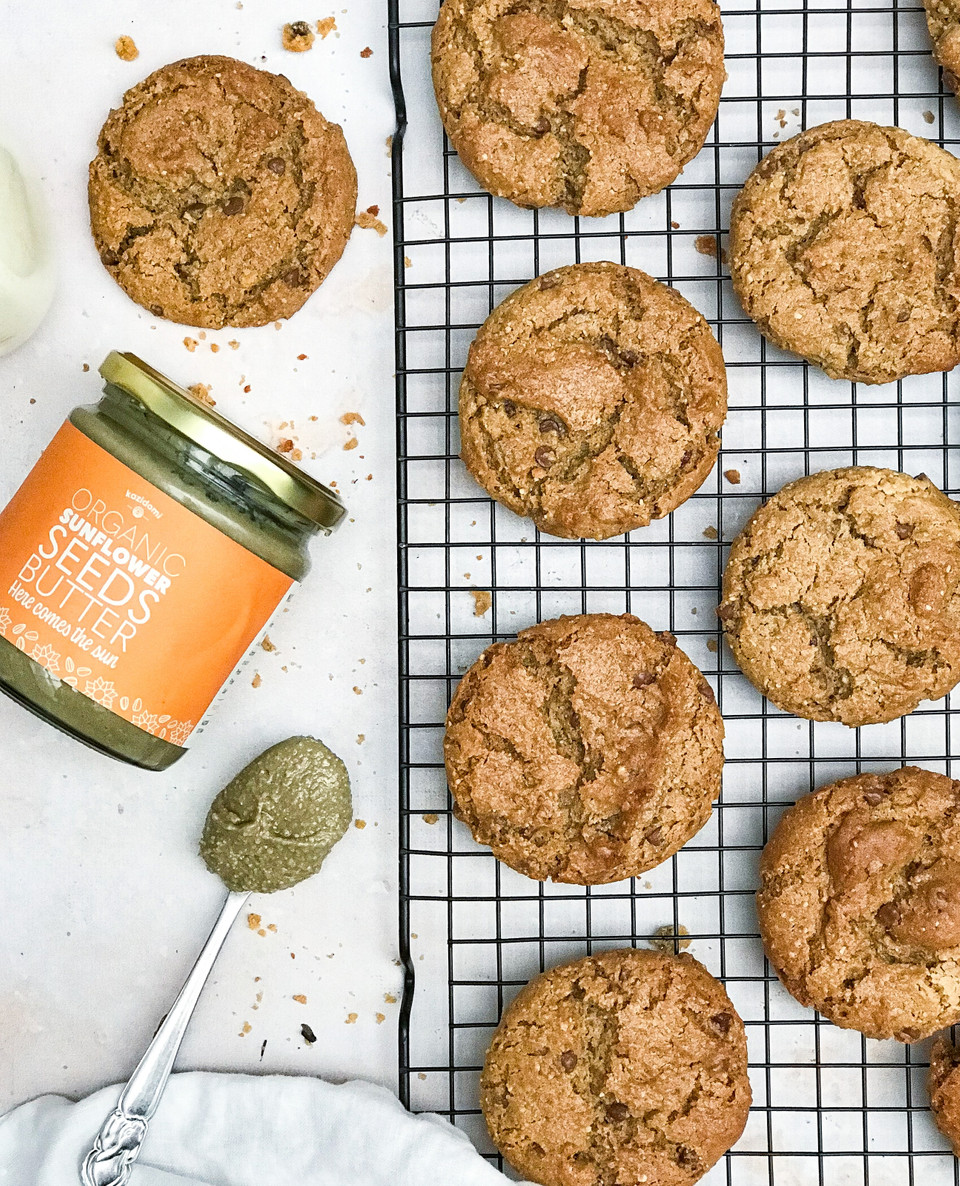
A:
274,824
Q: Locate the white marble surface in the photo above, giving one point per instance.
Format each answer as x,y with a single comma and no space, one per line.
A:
105,902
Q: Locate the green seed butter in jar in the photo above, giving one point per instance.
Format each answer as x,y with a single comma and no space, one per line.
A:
139,560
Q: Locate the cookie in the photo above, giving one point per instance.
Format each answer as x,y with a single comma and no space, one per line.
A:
626,1067
944,1085
844,249
859,902
588,108
587,751
592,401
840,598
943,21
219,195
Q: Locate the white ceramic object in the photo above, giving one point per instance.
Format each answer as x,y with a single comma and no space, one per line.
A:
26,255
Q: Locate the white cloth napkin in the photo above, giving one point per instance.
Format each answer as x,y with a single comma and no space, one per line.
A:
248,1130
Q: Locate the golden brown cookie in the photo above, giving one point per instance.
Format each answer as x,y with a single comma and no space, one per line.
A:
943,21
219,194
944,1085
840,597
626,1067
585,106
844,248
592,401
587,751
859,902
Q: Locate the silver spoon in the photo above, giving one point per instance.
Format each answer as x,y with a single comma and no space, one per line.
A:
117,1145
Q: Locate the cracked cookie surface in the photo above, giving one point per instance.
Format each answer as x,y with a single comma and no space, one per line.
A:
623,1068
944,1085
844,248
592,401
588,751
219,194
588,106
840,597
859,902
943,21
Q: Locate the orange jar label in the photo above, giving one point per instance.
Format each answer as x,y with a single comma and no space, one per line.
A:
124,594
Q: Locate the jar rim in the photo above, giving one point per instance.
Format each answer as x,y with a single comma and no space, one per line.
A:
210,430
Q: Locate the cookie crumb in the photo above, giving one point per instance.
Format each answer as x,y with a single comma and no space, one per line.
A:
381,1018
407,261
297,37
360,824
300,998
361,738
711,532
302,357
126,49
190,343
253,921
370,222
85,367
670,941
712,645
357,691
214,348
201,391
710,245
256,681
245,1029
929,116
389,998
366,52
431,817
351,444
732,476
267,644
674,225
351,1018
285,445
326,26
482,601
233,344
374,210
353,418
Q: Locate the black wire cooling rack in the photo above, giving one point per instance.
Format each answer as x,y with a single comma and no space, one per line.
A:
830,1108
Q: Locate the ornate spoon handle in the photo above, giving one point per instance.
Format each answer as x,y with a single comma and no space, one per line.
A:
118,1142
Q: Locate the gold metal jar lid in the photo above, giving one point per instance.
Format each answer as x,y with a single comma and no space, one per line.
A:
199,423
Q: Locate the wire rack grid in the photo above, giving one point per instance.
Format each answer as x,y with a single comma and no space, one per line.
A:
830,1107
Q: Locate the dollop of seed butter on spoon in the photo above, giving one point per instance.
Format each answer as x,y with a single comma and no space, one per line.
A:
274,824
269,828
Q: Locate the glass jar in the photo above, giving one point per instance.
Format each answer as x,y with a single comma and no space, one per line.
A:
139,560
